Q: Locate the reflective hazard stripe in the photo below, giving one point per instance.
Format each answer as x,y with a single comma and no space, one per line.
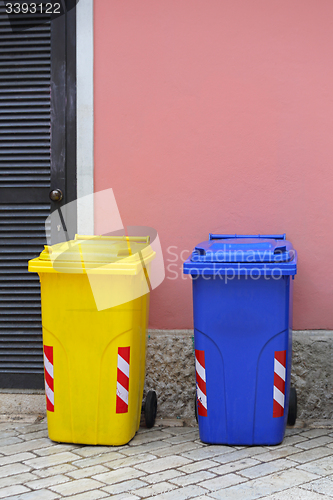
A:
200,372
49,377
279,383
123,370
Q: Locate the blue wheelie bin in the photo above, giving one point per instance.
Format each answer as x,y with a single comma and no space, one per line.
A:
242,306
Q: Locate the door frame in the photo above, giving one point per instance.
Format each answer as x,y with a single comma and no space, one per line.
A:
63,113
85,115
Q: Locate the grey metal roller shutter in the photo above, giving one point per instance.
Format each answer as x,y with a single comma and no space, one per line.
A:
25,81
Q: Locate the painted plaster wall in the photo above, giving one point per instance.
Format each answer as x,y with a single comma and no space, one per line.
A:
217,116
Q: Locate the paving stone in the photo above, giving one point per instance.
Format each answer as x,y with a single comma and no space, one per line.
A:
11,469
169,462
163,476
89,495
323,466
142,448
98,459
148,437
314,443
12,449
46,482
35,495
227,468
137,473
250,490
125,496
50,460
8,433
128,461
262,487
182,438
196,466
289,440
90,451
19,457
117,476
193,478
75,487
35,435
295,494
10,440
244,491
55,448
313,433
205,497
87,472
324,485
222,482
124,487
288,479
154,489
179,430
27,429
281,452
16,489
17,479
264,469
290,431
174,449
190,491
142,430
208,452
53,471
248,452
310,455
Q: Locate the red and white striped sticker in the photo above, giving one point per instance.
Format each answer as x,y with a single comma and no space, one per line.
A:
49,378
279,383
200,372
123,366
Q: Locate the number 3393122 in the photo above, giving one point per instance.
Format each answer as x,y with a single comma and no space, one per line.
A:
33,8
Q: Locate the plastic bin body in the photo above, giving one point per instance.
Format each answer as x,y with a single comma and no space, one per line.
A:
82,351
242,328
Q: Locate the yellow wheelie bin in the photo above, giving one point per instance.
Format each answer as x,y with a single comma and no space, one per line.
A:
95,306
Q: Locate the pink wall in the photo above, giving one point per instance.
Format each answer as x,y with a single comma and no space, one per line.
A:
217,116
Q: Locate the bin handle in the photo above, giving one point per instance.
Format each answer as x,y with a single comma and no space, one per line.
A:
280,249
228,236
200,250
135,239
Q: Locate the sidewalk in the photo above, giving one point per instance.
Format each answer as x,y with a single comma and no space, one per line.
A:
166,463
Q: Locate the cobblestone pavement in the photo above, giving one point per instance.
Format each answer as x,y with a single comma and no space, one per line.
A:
166,463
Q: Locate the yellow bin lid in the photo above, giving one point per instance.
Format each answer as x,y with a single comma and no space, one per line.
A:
96,255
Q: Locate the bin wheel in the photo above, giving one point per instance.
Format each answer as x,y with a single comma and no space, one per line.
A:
150,409
292,413
196,408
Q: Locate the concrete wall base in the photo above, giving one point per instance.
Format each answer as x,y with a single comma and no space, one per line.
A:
170,371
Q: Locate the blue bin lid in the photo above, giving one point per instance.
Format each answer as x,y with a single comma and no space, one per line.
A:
223,248
225,251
